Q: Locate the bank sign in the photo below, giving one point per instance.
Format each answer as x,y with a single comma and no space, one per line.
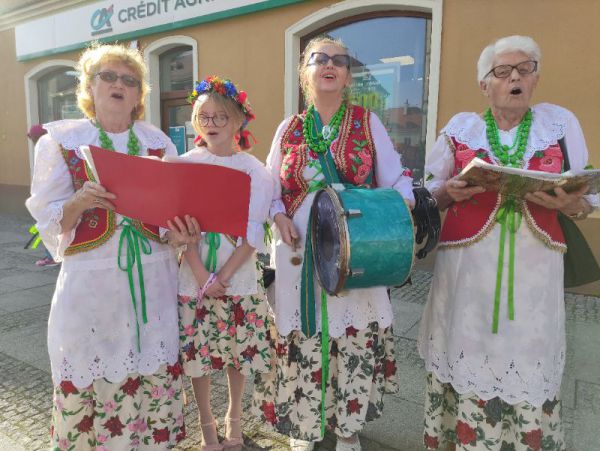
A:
124,20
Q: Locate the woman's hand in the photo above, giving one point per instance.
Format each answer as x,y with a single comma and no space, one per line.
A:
216,289
183,232
459,191
286,228
91,195
455,190
568,203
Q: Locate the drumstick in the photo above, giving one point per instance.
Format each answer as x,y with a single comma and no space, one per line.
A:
296,258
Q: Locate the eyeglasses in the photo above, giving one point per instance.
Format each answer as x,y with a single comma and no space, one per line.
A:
504,70
218,120
110,77
321,59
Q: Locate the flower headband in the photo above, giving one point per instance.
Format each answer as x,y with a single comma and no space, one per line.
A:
226,88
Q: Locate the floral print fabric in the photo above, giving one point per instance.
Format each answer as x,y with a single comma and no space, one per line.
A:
362,369
139,413
467,422
230,331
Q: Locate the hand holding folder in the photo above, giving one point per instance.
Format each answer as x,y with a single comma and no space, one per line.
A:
155,191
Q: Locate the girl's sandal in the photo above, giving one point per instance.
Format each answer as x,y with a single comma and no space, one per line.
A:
214,446
232,442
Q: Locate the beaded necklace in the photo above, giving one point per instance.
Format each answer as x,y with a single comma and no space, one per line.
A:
501,151
133,144
320,140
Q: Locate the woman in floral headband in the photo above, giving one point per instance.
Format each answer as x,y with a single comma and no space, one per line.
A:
222,305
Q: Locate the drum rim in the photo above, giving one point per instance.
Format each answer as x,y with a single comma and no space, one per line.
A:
344,234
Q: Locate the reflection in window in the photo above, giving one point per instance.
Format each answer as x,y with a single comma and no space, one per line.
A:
390,71
176,69
56,95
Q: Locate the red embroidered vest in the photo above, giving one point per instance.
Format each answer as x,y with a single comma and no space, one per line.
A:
98,224
469,221
353,154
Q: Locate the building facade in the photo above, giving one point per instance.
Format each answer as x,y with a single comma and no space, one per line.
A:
413,63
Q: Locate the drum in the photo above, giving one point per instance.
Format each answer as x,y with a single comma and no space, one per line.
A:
361,238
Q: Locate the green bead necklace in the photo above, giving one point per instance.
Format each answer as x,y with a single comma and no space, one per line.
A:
320,140
133,144
501,151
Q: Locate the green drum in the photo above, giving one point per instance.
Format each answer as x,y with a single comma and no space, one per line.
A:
361,238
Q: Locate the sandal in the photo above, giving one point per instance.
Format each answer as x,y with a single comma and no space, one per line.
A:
214,446
344,445
232,442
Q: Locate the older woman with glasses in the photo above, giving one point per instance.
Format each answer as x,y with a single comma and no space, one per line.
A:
332,139
113,331
493,330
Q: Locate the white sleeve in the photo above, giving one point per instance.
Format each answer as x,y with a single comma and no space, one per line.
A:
388,163
51,187
578,152
274,168
439,164
261,196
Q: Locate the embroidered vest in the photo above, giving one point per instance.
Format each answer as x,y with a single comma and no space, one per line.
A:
353,154
98,224
471,220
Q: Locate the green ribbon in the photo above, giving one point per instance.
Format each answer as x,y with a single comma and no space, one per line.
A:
268,237
134,242
509,217
36,237
324,356
214,242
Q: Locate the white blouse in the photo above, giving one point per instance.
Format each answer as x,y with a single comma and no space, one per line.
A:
92,325
357,307
244,281
524,361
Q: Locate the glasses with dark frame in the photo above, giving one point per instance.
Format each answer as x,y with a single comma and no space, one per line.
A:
110,77
523,68
321,59
218,120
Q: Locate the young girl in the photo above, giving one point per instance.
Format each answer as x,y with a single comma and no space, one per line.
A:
222,305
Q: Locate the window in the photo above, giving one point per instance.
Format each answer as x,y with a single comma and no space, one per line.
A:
390,69
176,82
56,95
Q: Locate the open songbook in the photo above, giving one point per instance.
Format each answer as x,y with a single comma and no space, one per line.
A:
518,182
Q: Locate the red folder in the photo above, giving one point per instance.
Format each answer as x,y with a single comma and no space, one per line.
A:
155,191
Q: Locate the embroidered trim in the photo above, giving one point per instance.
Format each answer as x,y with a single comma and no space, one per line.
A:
96,242
144,230
485,230
298,167
339,152
540,233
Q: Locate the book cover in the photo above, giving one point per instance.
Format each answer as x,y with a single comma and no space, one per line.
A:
155,191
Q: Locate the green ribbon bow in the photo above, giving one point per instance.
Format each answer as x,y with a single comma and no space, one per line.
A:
509,217
214,242
134,242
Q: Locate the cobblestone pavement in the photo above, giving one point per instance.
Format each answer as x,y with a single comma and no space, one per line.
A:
25,384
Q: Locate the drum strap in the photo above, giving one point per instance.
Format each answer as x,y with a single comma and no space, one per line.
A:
307,289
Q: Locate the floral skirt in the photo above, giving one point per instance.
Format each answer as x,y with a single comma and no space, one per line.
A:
362,369
230,331
466,422
140,413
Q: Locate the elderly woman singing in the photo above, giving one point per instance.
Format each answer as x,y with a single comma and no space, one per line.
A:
112,332
493,330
